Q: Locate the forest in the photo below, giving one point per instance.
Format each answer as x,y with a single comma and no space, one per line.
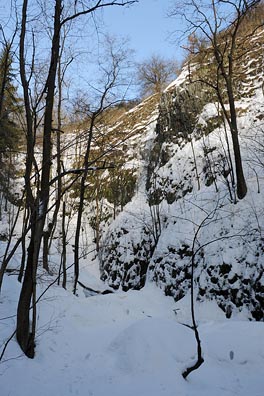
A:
131,207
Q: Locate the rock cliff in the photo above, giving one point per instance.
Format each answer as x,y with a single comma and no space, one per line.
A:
184,211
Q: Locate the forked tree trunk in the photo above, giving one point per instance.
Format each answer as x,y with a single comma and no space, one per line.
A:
27,299
39,205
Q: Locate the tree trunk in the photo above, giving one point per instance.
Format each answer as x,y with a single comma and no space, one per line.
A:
25,332
232,119
64,251
23,246
81,199
78,232
241,183
45,253
52,226
98,211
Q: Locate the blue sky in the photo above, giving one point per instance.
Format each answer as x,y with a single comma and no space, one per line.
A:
145,24
148,27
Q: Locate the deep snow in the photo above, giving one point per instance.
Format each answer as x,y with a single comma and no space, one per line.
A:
129,343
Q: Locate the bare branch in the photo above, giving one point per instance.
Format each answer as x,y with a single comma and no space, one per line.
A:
98,5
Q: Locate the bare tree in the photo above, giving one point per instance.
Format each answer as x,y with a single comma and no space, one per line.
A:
154,74
39,204
222,36
111,74
63,64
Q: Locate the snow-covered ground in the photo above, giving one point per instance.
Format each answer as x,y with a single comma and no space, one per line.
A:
133,343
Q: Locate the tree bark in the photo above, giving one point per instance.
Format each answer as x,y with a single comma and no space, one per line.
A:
241,183
232,119
25,332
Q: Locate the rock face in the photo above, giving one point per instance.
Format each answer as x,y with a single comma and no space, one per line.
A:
185,208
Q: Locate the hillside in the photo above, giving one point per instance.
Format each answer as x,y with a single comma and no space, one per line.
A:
186,203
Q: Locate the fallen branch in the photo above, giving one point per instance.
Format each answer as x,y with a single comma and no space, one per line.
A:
107,291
